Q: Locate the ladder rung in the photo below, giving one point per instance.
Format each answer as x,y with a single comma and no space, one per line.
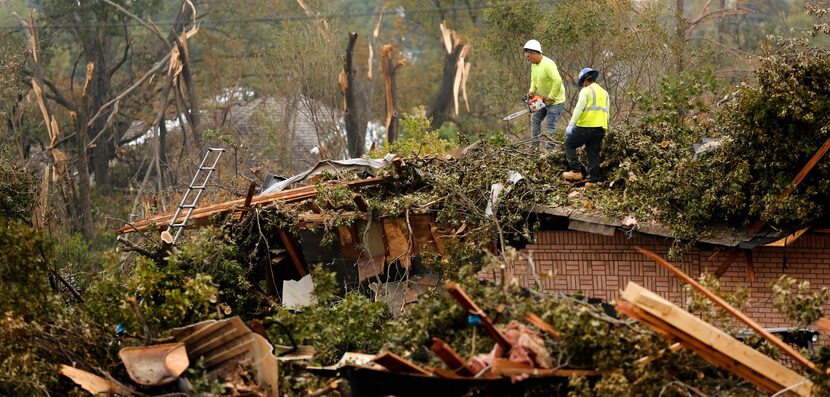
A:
184,206
199,187
207,168
178,225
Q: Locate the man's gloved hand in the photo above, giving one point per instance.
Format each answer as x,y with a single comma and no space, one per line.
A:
549,101
570,130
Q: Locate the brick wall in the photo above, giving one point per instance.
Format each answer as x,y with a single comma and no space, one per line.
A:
601,266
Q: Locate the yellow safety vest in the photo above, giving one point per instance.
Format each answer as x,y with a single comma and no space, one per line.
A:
596,110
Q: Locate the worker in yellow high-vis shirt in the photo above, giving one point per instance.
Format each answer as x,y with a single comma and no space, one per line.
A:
587,127
545,81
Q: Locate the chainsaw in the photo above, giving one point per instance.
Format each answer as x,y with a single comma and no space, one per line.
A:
533,103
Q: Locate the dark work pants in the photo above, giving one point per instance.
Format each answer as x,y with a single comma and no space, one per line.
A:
591,137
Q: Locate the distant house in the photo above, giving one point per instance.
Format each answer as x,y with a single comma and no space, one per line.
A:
280,134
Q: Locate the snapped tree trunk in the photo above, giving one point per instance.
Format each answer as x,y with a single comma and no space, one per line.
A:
439,110
390,69
354,118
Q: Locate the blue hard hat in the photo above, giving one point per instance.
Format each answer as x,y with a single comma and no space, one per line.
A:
584,73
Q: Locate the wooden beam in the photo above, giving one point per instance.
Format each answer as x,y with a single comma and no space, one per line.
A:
712,343
288,242
395,363
772,339
454,362
470,306
750,266
730,259
543,325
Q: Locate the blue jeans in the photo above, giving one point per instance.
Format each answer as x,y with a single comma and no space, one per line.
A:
552,112
591,137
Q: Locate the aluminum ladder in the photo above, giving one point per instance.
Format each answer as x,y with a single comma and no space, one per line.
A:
203,174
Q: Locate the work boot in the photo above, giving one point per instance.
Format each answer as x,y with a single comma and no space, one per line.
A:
572,176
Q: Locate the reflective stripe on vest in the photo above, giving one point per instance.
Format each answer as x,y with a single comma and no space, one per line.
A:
595,115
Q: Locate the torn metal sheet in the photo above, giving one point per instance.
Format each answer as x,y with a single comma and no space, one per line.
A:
333,166
227,343
155,365
298,294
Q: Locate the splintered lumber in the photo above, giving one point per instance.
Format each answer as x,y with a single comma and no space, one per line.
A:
711,343
651,357
542,324
396,363
292,252
454,362
772,339
201,215
470,306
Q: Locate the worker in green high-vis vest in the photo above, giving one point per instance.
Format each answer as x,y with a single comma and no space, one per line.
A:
545,81
589,122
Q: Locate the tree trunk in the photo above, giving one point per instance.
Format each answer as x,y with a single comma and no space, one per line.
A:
355,122
84,188
389,70
99,93
681,36
439,110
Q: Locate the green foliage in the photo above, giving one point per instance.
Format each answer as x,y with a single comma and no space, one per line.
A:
208,253
18,191
796,301
168,296
416,138
38,330
712,313
334,326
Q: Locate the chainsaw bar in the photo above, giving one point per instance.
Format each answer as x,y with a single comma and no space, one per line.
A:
517,114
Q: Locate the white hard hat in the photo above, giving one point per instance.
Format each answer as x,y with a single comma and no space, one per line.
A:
533,45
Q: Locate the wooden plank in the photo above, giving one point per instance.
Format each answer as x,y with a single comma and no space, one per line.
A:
542,324
454,362
715,339
292,252
395,363
707,353
713,356
470,306
772,339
